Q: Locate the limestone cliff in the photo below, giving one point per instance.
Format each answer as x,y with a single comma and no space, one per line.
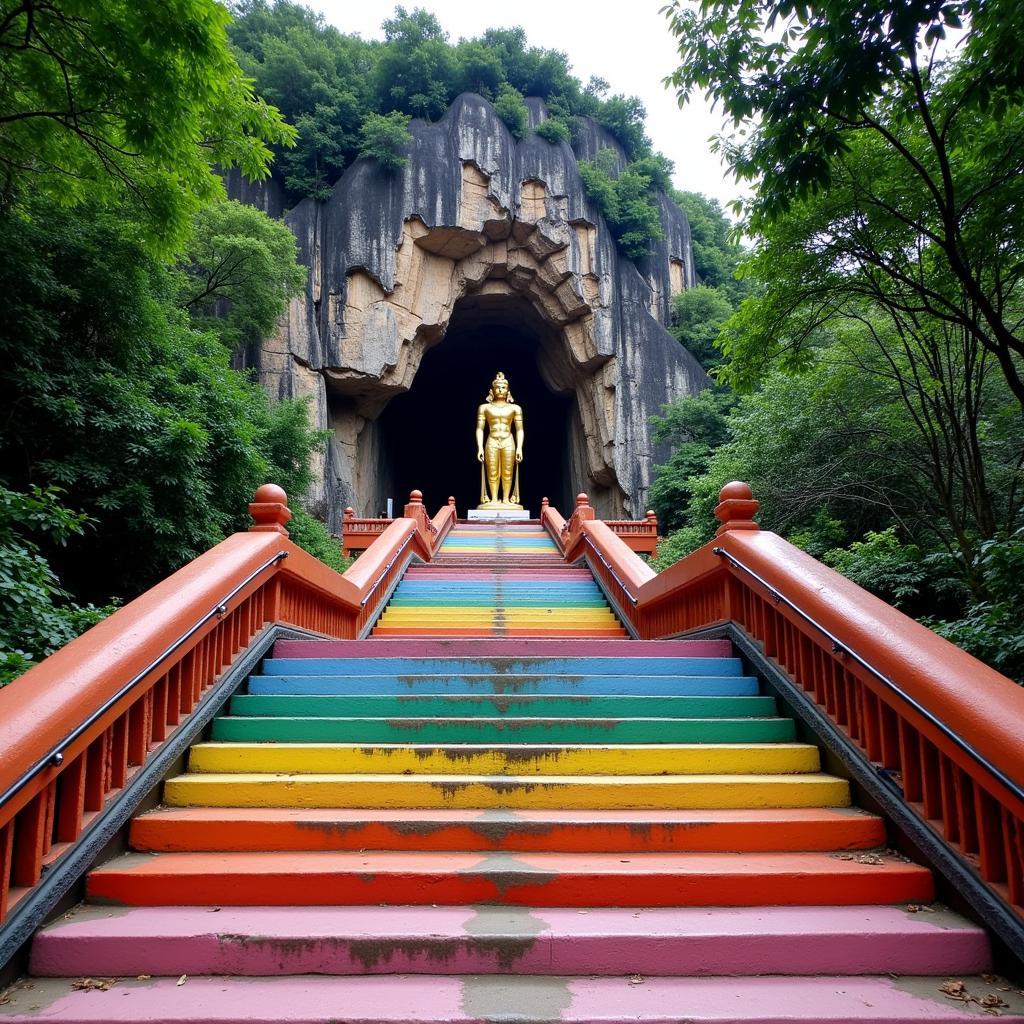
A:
482,220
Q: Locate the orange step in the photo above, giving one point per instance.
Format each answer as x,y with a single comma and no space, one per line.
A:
530,879
277,828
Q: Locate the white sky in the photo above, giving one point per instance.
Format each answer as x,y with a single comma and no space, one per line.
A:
627,44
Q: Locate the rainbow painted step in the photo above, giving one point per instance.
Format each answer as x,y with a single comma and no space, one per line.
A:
538,830
255,941
498,581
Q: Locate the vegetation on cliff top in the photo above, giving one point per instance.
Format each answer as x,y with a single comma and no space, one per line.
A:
349,97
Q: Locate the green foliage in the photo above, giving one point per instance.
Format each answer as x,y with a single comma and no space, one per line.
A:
697,318
310,534
993,629
626,202
385,138
694,427
509,106
678,544
326,83
141,420
882,564
125,102
805,75
36,615
889,169
416,67
716,256
238,270
554,130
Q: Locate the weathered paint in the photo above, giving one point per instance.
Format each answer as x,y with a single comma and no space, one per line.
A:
339,828
419,999
268,941
505,730
638,791
461,758
424,705
284,878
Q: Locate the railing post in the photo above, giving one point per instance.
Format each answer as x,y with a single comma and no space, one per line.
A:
350,513
736,508
414,510
269,510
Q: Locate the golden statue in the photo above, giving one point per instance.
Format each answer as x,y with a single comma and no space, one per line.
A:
500,457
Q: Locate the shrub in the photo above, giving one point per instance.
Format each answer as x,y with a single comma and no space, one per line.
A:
554,130
511,108
385,138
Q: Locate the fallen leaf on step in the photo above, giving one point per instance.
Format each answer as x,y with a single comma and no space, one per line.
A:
869,858
636,979
843,856
143,977
92,984
991,1002
182,980
954,990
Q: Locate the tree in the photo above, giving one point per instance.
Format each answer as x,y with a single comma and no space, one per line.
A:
694,427
385,138
36,615
807,83
716,255
119,98
415,73
238,271
113,395
625,200
697,318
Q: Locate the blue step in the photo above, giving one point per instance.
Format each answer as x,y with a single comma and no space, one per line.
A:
366,683
596,666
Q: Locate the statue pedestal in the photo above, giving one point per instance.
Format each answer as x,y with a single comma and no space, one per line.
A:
497,513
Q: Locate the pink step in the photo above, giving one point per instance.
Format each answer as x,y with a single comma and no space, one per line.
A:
425,999
487,940
498,648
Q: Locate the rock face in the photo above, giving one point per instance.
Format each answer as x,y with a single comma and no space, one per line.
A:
480,219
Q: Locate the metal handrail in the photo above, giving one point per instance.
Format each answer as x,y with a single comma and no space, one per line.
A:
838,647
615,575
387,569
55,757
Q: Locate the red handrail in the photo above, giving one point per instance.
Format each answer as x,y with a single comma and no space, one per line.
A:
947,727
78,726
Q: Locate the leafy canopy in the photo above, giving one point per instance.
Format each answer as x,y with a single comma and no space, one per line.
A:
238,269
121,98
140,419
920,157
329,85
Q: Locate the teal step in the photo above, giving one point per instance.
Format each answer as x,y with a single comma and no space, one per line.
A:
608,685
503,730
430,705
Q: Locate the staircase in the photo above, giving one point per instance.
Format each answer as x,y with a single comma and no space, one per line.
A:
498,579
465,819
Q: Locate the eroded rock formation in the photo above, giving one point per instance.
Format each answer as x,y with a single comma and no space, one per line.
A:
481,220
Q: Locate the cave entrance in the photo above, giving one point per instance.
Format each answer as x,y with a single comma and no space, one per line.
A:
427,435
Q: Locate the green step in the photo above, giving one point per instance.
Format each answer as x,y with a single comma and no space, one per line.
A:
504,730
440,705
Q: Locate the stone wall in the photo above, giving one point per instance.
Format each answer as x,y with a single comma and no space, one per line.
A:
476,213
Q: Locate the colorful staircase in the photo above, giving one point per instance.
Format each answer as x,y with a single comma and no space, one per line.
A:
498,579
527,829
